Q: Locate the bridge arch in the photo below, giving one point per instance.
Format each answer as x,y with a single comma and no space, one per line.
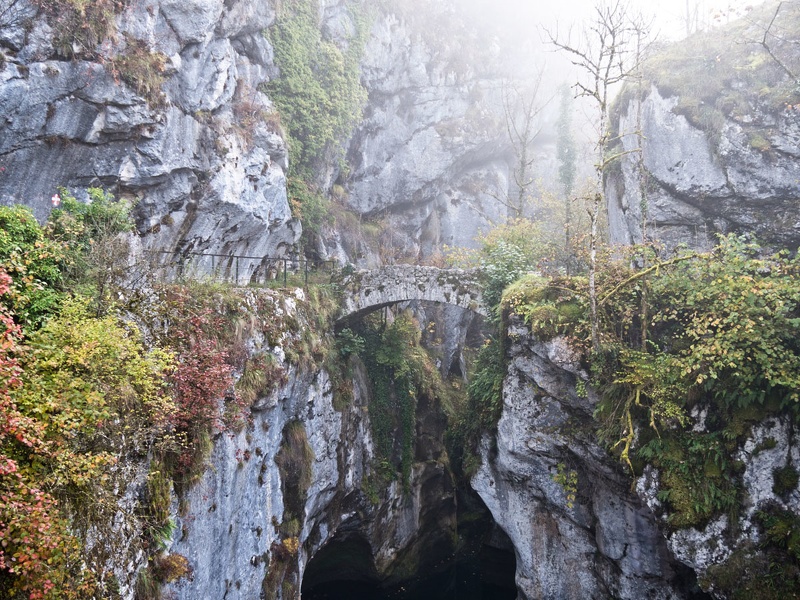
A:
367,291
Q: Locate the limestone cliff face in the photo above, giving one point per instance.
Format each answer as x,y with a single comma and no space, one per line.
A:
430,153
207,175
748,181
719,128
608,543
230,525
614,541
718,550
199,152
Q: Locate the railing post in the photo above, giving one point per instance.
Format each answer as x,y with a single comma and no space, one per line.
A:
306,278
237,271
285,270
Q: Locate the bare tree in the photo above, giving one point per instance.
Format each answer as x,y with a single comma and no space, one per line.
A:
606,58
521,108
641,34
695,10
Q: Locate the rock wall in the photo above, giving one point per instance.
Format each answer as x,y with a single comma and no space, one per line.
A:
717,551
430,155
603,534
608,543
228,524
718,123
204,160
697,187
205,172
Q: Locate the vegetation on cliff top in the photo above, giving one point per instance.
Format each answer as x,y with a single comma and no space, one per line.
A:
80,392
83,397
319,97
695,350
734,72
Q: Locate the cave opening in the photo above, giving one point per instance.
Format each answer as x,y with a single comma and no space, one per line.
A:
482,568
343,568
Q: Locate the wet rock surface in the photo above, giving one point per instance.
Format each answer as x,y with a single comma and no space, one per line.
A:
607,543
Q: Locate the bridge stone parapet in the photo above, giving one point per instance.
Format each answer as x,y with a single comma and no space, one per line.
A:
367,291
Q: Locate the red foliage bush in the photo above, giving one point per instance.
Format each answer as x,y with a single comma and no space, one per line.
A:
35,545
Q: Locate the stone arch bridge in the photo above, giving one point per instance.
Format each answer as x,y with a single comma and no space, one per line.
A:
367,291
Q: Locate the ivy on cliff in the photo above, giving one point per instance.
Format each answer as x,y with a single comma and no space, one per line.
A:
319,97
717,334
399,371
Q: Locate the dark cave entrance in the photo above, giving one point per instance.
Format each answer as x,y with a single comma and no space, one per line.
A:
343,568
482,569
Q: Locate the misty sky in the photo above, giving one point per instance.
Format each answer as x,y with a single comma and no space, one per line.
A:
669,16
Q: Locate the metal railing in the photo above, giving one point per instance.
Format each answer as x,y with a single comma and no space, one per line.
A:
237,269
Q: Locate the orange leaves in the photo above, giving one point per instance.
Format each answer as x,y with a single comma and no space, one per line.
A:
72,401
32,538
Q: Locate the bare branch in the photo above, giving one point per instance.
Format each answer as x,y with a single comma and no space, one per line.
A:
521,108
766,46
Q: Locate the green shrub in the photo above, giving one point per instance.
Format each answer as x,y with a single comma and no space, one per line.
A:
93,234
35,263
785,481
142,70
348,342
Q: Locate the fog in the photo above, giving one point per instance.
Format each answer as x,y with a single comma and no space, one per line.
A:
670,18
521,28
518,50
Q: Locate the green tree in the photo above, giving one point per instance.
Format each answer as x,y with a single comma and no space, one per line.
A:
509,251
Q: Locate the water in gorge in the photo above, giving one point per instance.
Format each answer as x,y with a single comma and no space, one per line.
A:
487,574
482,568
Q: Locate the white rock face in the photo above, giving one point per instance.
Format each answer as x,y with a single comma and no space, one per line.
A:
697,187
608,543
229,524
202,179
769,447
228,521
430,154
611,543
